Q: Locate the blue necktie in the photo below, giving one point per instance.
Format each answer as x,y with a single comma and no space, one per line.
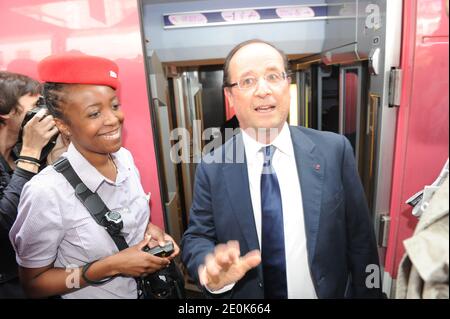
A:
272,237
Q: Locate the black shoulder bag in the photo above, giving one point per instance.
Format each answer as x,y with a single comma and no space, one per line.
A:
167,283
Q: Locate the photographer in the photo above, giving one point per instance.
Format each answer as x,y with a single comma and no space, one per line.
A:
18,95
62,248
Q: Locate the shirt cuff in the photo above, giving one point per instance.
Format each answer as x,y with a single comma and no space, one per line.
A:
221,290
23,173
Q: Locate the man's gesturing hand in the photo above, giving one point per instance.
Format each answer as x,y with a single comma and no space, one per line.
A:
226,266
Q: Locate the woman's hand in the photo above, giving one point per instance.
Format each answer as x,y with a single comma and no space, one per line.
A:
135,263
37,133
158,235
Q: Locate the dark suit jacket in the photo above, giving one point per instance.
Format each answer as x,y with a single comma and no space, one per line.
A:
339,233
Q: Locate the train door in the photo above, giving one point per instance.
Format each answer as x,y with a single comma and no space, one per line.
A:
334,98
163,113
197,107
186,100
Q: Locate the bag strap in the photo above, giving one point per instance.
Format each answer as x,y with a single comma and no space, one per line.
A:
92,201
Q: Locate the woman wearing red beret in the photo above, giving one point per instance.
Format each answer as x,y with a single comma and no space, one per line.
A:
60,247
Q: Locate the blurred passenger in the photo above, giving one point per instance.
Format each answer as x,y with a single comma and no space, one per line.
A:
60,248
423,270
18,95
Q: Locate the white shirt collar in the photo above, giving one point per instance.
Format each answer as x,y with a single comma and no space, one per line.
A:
282,142
89,174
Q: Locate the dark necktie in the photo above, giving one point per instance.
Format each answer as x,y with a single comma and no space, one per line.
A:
272,237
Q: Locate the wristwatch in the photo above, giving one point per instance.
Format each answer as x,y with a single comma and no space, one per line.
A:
114,221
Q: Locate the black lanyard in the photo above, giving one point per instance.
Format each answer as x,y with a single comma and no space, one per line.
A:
92,201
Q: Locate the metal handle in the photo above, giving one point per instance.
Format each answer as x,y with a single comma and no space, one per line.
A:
374,102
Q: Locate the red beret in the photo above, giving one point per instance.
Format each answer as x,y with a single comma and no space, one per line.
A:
79,69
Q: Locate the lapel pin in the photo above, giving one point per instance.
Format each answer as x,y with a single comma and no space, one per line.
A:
317,167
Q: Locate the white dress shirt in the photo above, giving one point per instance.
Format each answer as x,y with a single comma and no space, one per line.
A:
53,226
299,282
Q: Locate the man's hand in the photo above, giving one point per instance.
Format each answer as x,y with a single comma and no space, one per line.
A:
225,266
159,237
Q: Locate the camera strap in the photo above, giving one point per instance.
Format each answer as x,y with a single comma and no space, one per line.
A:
92,201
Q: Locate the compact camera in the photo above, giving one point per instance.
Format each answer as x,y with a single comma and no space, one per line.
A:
160,251
167,283
50,145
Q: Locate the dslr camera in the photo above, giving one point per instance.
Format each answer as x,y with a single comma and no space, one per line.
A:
47,148
167,283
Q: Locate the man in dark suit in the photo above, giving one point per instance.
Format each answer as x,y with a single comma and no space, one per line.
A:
278,211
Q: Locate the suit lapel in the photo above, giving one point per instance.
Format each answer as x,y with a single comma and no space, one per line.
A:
310,167
235,175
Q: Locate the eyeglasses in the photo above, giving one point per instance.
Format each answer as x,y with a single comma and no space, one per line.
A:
250,81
